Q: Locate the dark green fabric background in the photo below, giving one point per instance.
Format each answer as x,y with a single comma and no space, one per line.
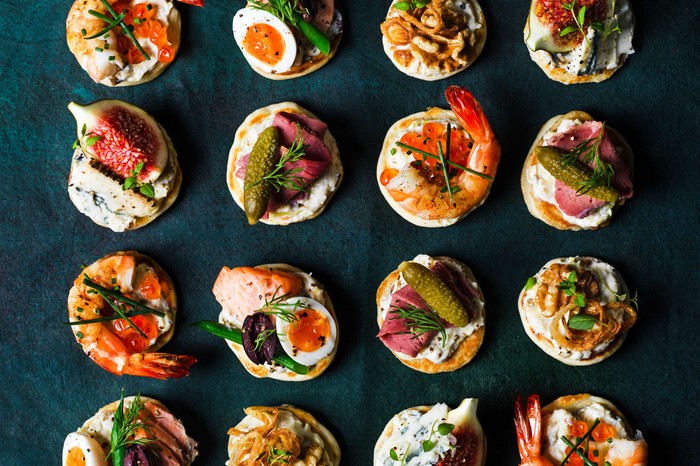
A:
49,387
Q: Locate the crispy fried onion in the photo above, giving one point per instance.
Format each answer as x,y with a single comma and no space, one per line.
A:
550,298
612,319
435,35
267,445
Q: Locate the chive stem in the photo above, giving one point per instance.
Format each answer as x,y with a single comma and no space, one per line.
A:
106,318
121,313
112,23
449,162
443,162
115,294
574,448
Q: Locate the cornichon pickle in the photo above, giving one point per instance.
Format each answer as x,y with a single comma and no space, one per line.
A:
572,175
435,293
256,191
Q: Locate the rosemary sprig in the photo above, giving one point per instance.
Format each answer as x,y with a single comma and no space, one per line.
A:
419,321
574,448
587,152
117,20
280,178
449,162
125,427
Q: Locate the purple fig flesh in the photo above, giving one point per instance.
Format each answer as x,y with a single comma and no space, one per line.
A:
254,325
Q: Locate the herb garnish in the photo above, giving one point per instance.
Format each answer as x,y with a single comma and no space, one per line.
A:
575,448
419,321
125,427
395,456
532,281
285,311
120,308
623,297
116,20
449,162
442,429
286,11
132,181
568,287
606,29
583,322
411,4
262,337
279,178
579,19
588,152
278,456
86,140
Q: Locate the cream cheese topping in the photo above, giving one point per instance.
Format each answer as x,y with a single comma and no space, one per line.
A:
611,286
436,351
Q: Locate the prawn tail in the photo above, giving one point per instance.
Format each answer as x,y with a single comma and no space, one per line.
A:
527,426
469,113
160,365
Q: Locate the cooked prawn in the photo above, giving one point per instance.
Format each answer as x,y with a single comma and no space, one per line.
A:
528,428
426,196
604,445
114,345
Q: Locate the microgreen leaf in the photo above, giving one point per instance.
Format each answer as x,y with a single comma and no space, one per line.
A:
598,26
147,190
568,286
129,183
567,30
582,15
403,6
582,322
92,140
532,281
580,300
427,445
445,428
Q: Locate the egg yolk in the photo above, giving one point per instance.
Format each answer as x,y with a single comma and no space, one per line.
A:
265,43
75,457
310,331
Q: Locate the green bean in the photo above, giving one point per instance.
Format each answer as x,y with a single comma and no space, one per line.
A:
315,36
235,335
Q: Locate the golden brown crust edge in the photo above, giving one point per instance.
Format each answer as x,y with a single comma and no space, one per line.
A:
464,353
549,213
574,403
285,375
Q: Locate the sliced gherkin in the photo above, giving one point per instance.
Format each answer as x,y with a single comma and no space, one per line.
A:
572,175
256,190
435,293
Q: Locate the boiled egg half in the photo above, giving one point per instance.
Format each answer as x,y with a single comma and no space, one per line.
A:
309,335
81,449
266,41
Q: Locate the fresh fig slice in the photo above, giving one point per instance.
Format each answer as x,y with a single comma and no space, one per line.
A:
470,442
128,137
254,325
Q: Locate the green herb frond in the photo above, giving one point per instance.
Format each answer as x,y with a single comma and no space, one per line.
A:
419,321
127,425
587,152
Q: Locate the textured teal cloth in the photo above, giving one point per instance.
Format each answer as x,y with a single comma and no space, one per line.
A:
49,387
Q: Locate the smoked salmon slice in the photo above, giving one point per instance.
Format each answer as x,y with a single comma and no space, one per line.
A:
244,290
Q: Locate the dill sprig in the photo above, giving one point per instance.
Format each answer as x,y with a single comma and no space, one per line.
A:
126,426
419,321
262,337
587,152
281,310
280,178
